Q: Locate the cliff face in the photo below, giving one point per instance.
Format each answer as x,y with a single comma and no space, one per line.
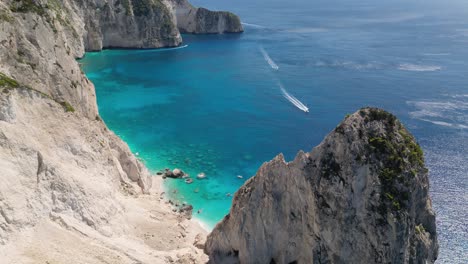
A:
129,24
197,20
149,23
68,186
361,196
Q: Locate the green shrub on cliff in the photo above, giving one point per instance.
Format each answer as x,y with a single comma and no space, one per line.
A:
400,157
7,82
419,229
67,106
27,6
5,16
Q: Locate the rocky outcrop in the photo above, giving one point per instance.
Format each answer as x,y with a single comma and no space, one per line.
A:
128,24
361,196
198,20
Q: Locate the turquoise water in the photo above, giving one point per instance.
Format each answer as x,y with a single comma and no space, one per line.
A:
216,106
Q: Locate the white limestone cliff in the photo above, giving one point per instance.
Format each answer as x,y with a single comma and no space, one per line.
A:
70,190
361,196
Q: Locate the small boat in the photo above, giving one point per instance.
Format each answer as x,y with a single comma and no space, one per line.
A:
240,176
188,180
201,175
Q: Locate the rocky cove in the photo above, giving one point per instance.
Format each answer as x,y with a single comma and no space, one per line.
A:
72,184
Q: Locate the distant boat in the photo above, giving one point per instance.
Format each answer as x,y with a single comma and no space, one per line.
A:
293,100
201,175
240,176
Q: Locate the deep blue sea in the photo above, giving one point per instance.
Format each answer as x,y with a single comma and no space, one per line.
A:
225,104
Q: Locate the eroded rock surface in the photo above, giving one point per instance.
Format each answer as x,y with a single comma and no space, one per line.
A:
129,24
361,196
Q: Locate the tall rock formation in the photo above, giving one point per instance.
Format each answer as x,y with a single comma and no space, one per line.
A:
361,196
198,20
129,24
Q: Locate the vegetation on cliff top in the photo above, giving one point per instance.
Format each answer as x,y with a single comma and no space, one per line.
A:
399,155
401,158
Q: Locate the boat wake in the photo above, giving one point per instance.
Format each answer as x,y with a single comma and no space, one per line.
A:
273,65
175,48
163,49
436,54
293,99
252,25
418,68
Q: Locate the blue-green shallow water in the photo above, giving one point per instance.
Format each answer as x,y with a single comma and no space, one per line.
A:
216,106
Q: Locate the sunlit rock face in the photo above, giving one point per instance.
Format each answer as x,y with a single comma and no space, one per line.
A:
361,196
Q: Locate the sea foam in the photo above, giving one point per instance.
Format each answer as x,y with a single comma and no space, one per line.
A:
418,68
448,113
252,25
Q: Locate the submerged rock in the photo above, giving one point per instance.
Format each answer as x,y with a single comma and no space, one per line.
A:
361,196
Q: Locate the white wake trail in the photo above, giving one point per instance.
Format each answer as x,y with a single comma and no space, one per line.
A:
162,49
293,100
175,48
252,25
273,65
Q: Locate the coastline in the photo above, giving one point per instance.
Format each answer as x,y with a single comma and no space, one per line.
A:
164,189
79,194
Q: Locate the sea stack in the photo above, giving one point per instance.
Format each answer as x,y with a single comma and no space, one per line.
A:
361,196
198,20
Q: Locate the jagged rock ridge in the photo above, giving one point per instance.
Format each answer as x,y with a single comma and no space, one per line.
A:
361,196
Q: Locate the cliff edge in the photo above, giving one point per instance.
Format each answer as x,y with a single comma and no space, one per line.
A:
70,189
361,196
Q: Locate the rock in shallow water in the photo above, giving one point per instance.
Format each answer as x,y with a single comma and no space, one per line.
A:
361,196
